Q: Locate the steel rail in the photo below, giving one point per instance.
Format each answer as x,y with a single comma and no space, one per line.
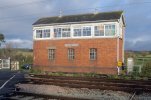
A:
93,79
103,85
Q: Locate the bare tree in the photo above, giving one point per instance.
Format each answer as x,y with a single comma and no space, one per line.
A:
9,50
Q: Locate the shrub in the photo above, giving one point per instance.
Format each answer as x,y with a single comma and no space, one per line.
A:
146,70
35,71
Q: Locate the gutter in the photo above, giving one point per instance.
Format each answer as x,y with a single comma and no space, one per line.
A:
81,22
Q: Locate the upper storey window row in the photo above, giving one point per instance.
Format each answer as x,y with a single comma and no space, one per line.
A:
78,31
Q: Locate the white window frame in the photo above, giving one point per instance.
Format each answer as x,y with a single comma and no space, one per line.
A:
56,35
46,33
51,54
86,31
73,28
66,31
82,29
63,30
99,30
42,33
71,53
110,29
93,54
77,33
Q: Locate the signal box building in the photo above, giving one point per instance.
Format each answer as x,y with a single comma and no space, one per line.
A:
79,43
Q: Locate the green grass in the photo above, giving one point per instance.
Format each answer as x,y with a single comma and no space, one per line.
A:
132,76
64,74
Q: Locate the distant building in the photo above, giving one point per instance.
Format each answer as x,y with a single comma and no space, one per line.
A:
79,43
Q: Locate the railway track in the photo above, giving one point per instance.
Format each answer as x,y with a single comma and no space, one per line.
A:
93,83
131,86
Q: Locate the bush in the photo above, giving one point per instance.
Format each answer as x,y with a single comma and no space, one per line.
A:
146,70
113,77
35,71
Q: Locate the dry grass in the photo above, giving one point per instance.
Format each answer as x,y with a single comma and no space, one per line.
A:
25,53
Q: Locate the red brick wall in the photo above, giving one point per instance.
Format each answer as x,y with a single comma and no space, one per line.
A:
106,55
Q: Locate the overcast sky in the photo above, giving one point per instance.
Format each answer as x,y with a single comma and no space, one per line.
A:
17,17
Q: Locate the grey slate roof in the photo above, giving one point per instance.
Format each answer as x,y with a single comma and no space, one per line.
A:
80,18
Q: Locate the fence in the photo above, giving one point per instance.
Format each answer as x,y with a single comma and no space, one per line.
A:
8,64
136,65
5,63
14,65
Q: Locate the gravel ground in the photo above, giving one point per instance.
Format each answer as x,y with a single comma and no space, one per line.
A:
144,96
74,92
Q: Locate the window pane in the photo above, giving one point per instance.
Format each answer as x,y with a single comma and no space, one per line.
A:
109,30
38,33
66,32
61,32
99,30
46,33
51,54
86,31
93,54
71,54
77,32
57,32
113,27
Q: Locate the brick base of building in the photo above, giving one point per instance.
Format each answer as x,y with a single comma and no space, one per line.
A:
105,63
98,70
